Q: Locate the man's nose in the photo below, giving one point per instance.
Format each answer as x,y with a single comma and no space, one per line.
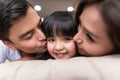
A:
41,36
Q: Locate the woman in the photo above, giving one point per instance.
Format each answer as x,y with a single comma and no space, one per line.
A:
98,27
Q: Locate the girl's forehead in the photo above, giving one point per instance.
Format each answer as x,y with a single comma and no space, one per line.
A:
57,34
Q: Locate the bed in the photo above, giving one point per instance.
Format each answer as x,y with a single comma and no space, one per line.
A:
78,68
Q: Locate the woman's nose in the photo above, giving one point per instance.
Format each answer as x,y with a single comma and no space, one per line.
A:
77,39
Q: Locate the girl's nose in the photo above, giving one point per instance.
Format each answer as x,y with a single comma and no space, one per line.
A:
59,46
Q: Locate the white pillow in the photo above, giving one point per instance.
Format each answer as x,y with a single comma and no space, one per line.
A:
79,68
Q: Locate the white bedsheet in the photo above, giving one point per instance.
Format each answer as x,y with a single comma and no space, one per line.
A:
79,68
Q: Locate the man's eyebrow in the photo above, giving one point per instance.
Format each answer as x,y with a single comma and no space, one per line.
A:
24,34
92,34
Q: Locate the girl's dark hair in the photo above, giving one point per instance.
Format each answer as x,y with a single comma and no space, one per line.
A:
110,13
59,23
11,10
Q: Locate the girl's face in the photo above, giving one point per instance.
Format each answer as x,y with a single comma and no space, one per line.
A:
92,38
61,47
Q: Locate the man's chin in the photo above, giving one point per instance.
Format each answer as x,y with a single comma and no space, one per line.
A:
43,50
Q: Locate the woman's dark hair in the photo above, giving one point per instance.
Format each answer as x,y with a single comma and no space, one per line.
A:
59,23
10,11
110,13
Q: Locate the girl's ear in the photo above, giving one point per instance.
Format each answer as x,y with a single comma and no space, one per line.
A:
10,45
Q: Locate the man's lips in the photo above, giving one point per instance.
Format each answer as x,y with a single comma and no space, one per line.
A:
43,44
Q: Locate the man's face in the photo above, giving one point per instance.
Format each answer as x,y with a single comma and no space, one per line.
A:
25,34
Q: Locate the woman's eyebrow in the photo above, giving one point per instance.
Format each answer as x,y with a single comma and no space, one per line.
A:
91,33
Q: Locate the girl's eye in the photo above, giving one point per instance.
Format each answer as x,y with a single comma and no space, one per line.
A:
67,39
51,40
90,38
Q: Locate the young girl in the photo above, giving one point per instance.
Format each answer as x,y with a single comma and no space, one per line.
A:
99,27
59,28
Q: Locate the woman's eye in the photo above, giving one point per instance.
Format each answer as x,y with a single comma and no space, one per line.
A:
90,38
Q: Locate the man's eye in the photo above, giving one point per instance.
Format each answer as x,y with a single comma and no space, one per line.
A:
28,37
90,38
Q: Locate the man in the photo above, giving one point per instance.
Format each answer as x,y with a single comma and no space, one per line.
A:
19,28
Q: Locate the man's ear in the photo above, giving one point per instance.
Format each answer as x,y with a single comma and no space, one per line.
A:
10,45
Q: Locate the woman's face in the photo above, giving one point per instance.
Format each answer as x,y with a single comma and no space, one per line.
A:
92,38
